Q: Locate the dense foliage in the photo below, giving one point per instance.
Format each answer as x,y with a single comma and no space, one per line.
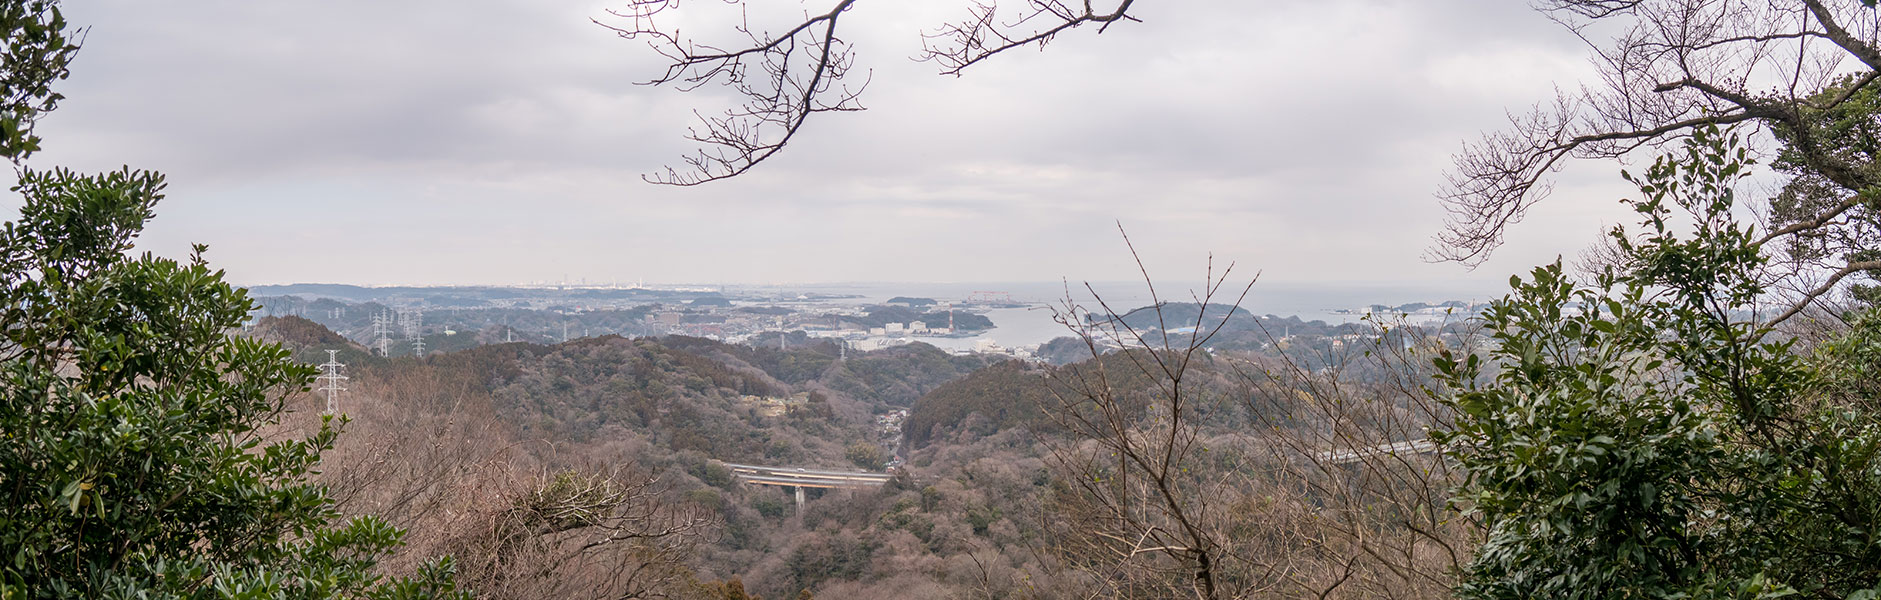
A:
1841,138
995,398
130,463
899,375
38,49
1645,438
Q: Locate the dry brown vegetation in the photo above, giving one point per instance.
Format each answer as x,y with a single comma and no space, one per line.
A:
1183,472
588,470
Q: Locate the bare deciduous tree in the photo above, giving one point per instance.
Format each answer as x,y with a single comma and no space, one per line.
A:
1803,70
1137,505
806,69
1349,440
1302,481
576,535
426,452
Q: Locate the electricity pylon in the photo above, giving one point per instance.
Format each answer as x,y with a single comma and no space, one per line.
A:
330,379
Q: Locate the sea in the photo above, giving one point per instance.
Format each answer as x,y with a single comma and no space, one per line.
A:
1035,321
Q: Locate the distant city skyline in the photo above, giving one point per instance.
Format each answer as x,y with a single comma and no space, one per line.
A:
500,142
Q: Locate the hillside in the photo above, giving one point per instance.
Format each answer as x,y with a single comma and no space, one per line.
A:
674,407
977,443
298,332
1002,396
897,376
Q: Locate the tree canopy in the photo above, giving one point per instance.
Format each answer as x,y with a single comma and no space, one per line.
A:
131,465
1640,436
1804,71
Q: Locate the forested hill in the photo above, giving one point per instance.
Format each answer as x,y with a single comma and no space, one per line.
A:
303,335
880,379
899,375
681,393
999,397
674,407
1226,327
678,407
1016,394
1183,314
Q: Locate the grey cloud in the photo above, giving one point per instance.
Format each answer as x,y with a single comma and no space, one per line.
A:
502,141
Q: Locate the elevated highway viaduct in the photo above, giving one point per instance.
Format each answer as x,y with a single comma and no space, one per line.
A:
799,478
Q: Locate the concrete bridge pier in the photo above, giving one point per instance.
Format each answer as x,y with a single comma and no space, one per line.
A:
799,489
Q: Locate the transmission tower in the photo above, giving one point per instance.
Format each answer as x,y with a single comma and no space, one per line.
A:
415,329
330,379
382,332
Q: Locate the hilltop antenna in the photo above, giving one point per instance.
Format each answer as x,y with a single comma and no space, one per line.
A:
330,379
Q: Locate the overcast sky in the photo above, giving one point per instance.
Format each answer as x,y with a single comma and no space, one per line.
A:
501,141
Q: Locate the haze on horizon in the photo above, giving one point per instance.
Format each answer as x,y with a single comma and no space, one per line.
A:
500,142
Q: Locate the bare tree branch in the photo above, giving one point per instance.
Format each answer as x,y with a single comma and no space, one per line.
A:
783,79
1131,461
982,35
786,77
1678,64
1827,286
1669,66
